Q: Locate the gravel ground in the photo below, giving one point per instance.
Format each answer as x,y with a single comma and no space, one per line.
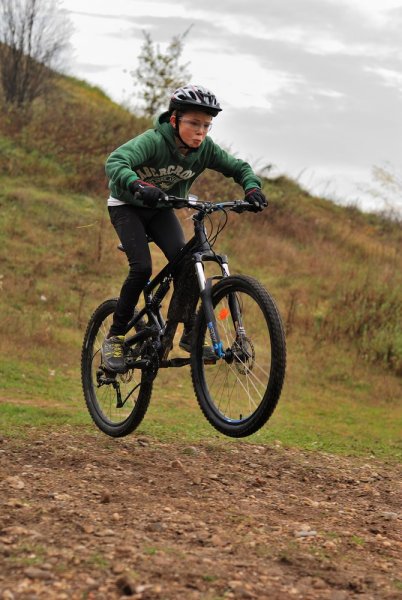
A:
85,516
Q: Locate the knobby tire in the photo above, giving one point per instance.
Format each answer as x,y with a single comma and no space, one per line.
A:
238,398
101,401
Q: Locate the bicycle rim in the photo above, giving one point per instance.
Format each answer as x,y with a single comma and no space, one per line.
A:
239,394
117,402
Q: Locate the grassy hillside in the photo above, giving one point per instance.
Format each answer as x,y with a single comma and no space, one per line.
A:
336,274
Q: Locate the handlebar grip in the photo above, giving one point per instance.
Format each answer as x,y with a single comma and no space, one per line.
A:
176,202
241,207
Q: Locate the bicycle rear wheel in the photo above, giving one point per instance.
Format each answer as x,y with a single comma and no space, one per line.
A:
117,403
239,393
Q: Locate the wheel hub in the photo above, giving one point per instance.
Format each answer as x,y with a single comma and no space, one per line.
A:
243,355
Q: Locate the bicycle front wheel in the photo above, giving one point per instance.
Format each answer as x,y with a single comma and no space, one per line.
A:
239,393
117,403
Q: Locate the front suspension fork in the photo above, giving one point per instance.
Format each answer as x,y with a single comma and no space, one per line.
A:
205,286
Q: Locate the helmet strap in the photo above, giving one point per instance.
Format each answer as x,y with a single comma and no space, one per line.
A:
177,133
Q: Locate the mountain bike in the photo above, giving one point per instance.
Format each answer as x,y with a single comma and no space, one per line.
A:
238,386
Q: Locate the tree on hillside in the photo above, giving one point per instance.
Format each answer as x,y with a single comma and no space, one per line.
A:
159,72
388,190
33,36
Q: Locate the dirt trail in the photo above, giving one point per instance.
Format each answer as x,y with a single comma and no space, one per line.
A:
86,516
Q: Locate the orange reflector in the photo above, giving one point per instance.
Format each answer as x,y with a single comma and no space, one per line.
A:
223,314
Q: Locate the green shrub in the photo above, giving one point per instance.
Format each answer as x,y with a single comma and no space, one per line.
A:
368,315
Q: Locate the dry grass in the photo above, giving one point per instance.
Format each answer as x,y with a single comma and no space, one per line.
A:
336,273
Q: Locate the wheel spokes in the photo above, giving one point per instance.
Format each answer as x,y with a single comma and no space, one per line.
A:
115,401
237,384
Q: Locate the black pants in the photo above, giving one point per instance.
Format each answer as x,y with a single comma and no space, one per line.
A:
132,225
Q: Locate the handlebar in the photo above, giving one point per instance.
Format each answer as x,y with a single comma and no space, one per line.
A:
238,206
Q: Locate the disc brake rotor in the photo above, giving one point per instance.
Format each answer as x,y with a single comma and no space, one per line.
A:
244,355
126,377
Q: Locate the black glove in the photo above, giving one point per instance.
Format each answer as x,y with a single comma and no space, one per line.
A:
148,193
256,199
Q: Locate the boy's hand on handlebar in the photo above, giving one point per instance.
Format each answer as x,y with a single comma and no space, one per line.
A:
256,199
148,193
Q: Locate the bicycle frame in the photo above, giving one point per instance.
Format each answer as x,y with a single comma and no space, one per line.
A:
156,289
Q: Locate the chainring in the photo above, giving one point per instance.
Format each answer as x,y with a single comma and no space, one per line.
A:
150,353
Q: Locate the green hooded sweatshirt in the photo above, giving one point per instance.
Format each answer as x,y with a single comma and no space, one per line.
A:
154,157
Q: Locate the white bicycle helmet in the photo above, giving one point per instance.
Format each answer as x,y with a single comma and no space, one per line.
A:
194,97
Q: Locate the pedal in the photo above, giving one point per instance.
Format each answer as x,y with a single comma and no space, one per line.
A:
104,377
210,361
175,362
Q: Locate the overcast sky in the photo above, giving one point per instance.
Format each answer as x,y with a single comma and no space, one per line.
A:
313,87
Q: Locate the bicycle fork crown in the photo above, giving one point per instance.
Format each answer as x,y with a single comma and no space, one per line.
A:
218,348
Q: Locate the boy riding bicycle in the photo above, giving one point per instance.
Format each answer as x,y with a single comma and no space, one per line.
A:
141,172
